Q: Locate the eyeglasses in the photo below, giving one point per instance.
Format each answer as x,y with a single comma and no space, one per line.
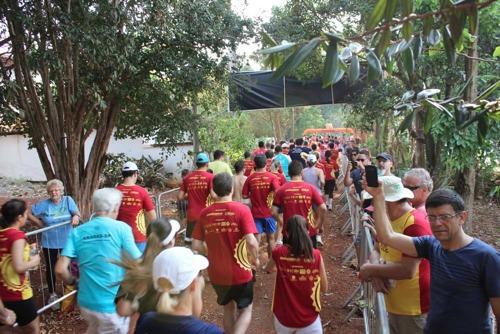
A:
360,159
443,218
413,188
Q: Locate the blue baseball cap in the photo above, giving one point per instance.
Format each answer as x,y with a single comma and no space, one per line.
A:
202,157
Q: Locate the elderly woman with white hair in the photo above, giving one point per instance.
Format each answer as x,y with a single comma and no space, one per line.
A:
57,209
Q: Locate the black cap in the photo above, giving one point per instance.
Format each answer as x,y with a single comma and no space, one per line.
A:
385,156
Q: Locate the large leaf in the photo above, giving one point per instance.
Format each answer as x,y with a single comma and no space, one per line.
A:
438,106
278,48
397,48
407,30
457,20
338,75
374,66
407,122
496,53
355,47
434,37
408,95
354,68
449,47
429,118
295,59
383,42
490,90
390,8
417,47
346,54
426,93
377,14
331,63
267,40
428,22
406,7
409,62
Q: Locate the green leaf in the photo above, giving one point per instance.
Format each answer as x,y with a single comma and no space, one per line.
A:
434,37
428,22
449,47
409,62
355,47
331,63
490,90
278,48
384,41
295,59
398,48
457,20
407,30
390,8
389,66
417,47
377,14
374,66
338,75
407,96
346,54
406,7
354,69
496,53
472,17
267,40
440,107
426,93
406,123
429,118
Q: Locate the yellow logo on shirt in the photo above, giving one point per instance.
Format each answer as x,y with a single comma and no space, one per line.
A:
140,222
241,255
316,296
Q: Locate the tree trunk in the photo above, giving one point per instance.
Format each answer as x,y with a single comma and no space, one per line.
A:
378,137
468,175
196,137
419,160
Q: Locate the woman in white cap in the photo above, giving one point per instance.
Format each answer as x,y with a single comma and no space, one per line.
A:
177,277
137,294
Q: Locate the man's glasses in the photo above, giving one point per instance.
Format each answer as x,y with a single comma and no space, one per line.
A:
413,188
443,218
360,159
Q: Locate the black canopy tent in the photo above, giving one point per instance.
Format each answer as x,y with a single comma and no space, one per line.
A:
259,90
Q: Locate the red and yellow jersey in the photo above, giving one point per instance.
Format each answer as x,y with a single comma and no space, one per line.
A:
296,299
248,166
135,202
197,185
13,286
409,296
260,188
223,227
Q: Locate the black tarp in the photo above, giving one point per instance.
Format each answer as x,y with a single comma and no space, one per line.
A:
259,90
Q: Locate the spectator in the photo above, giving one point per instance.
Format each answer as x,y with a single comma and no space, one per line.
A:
95,245
354,176
136,295
420,182
283,159
227,228
219,165
464,270
183,203
54,210
239,180
137,208
15,261
385,163
196,188
299,198
176,276
296,301
407,299
260,188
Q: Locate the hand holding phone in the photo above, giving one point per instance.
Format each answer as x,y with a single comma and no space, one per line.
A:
371,176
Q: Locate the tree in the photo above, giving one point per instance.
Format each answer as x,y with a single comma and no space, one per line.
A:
79,68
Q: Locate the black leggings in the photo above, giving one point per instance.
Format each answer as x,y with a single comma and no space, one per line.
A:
51,255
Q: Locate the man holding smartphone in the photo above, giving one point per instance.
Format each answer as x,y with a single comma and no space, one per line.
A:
354,175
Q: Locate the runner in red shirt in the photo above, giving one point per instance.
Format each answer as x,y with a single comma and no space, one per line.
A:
248,164
278,172
228,230
329,168
260,150
196,188
300,277
299,198
137,208
260,188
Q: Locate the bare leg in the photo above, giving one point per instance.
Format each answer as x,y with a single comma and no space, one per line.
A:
229,316
243,320
31,328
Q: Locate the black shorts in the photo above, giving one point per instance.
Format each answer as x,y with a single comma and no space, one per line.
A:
329,187
25,310
242,294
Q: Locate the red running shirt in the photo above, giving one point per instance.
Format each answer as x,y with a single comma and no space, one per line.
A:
260,188
13,286
296,299
280,176
297,198
197,185
248,166
329,169
135,202
223,227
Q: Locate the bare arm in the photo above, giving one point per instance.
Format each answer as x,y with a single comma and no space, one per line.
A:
347,176
279,220
181,195
253,248
35,220
321,211
321,176
385,234
62,270
322,275
199,246
495,306
150,215
405,269
17,252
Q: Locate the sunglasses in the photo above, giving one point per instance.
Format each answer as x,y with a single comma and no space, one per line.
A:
413,188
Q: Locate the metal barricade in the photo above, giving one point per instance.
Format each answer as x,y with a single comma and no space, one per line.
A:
364,298
43,280
167,205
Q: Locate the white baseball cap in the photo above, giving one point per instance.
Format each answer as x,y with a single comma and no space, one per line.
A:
175,228
393,189
129,166
312,158
179,265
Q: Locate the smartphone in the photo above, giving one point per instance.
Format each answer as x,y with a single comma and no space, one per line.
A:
371,176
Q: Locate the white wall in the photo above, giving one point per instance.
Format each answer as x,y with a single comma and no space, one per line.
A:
19,162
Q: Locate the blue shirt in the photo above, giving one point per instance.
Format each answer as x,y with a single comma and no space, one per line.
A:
51,213
94,245
462,282
284,161
156,323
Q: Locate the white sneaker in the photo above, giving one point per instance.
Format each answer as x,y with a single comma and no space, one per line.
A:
52,298
319,240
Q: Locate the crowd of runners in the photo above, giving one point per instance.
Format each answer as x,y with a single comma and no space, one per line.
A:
132,278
